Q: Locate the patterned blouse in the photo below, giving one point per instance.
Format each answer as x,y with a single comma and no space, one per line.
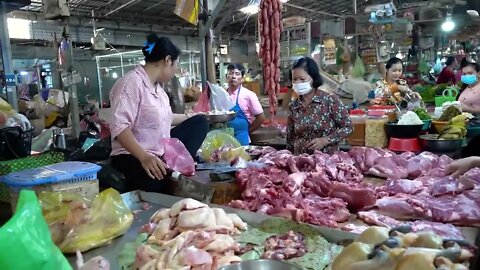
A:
326,117
382,88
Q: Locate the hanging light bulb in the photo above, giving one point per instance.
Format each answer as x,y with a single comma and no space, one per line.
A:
448,25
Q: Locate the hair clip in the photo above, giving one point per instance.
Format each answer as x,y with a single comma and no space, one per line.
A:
149,47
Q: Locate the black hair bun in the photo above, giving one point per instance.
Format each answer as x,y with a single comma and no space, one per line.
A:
152,38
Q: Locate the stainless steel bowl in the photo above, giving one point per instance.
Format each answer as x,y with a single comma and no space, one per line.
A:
261,265
220,118
431,142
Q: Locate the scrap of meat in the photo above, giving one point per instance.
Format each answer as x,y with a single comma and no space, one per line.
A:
406,186
373,218
286,246
389,167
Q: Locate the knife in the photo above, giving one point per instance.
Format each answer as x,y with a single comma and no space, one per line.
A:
190,188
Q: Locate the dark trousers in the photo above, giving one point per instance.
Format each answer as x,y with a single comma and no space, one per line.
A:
191,133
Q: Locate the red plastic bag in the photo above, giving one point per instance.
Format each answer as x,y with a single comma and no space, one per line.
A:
203,103
177,157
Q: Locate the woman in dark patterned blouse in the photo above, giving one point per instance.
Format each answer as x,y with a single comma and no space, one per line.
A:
317,120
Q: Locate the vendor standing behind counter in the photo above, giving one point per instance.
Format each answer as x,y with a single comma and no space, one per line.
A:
447,76
141,117
393,86
247,106
317,120
470,95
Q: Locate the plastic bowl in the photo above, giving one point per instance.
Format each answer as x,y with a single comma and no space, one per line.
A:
439,125
403,131
426,125
405,145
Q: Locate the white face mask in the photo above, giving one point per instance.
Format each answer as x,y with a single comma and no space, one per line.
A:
302,88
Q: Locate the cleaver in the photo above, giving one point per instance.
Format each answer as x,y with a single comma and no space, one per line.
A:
190,188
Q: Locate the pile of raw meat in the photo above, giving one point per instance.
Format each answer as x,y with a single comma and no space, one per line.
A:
190,235
322,190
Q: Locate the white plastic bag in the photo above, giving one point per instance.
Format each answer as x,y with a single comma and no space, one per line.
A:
219,98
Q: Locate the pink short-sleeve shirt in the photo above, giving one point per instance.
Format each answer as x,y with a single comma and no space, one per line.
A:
249,103
144,108
471,97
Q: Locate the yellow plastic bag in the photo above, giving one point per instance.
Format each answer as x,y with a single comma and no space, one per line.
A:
220,146
77,223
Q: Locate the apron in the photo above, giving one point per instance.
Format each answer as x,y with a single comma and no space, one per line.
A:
240,124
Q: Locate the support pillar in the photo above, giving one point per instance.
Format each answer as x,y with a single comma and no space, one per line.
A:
12,95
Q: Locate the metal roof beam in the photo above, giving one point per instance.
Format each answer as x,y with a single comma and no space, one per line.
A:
129,3
312,10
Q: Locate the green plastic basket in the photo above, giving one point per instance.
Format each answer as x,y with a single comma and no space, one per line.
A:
26,163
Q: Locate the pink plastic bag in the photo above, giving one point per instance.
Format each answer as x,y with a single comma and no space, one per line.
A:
177,157
203,103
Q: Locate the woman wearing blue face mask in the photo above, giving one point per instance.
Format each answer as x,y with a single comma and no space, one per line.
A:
316,120
470,97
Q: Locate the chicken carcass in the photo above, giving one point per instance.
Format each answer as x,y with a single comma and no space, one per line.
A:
185,204
160,214
221,243
237,221
196,219
161,231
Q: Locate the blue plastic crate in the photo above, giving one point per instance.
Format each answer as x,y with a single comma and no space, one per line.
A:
65,172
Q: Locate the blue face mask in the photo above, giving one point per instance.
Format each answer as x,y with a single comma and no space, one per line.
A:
469,79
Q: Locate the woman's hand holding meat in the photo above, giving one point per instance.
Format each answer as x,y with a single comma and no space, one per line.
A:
461,166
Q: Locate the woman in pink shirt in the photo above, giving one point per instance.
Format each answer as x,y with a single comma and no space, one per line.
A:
141,117
470,97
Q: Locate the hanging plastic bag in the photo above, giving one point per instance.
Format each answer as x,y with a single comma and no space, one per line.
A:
202,103
358,70
219,98
26,242
177,157
79,223
437,68
219,146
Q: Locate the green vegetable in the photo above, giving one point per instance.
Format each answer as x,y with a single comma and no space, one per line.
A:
422,114
126,257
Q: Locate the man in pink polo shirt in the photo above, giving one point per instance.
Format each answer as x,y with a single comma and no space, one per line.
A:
247,106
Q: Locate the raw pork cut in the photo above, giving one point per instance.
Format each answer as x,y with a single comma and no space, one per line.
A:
447,231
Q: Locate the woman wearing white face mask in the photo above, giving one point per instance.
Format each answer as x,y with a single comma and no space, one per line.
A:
316,120
470,97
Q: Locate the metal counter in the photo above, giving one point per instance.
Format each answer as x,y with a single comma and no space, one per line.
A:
135,200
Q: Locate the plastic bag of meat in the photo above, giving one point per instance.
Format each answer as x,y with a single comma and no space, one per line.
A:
81,223
26,242
177,157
